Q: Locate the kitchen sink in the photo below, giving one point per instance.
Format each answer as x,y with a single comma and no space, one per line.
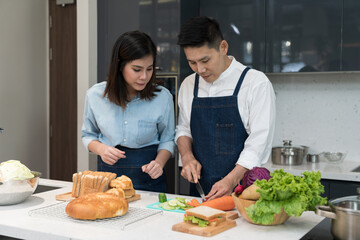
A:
43,188
356,169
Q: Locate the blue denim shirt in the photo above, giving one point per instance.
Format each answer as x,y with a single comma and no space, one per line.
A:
140,124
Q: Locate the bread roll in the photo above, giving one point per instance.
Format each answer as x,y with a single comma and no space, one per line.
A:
129,192
123,182
97,206
117,192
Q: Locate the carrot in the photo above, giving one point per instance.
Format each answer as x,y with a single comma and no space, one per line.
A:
224,203
195,202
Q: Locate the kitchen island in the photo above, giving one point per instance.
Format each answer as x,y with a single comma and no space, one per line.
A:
18,221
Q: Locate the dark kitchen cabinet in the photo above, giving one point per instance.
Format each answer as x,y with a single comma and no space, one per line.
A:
336,188
290,35
161,21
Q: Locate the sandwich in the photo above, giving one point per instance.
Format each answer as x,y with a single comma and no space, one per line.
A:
204,216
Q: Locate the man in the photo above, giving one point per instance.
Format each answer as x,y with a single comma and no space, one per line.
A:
227,112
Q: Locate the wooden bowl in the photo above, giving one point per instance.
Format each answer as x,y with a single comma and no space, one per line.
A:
242,204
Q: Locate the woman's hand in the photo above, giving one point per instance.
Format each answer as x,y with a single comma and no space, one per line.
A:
154,169
111,155
108,154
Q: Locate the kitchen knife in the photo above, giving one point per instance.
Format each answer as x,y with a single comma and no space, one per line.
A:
201,191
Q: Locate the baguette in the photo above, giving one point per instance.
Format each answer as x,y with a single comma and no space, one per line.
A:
97,206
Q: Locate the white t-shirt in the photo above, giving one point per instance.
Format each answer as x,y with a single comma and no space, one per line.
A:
256,102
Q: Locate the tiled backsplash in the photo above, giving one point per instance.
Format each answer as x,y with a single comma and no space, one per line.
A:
319,110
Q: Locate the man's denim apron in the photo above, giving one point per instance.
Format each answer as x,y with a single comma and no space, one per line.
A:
218,135
131,167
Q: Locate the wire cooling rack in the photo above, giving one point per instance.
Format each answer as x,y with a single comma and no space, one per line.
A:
57,211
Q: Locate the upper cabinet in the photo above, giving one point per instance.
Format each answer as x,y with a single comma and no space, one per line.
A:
158,18
161,19
269,35
290,35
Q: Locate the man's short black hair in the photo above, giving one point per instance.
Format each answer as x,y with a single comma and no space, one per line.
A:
199,31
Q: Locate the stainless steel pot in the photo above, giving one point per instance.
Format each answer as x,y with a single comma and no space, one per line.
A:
345,217
288,154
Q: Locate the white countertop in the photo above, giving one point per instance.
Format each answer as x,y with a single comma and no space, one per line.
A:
331,171
16,222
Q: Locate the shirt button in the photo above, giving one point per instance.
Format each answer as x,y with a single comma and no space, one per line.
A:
124,139
125,122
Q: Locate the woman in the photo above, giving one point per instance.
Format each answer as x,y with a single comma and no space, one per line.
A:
129,119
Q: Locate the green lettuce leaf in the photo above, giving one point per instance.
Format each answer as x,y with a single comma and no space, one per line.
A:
294,194
200,222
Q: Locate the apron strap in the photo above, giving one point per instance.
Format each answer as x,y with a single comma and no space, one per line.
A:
236,91
196,87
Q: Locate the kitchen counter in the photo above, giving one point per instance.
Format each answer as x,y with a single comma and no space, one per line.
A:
19,224
341,171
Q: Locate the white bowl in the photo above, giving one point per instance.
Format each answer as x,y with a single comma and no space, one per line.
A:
17,191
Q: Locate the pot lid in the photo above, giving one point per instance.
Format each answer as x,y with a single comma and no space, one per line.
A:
350,204
287,145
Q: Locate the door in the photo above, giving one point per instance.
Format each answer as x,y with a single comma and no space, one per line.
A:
63,91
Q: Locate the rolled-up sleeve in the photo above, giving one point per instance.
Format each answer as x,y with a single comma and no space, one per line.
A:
89,130
166,127
262,113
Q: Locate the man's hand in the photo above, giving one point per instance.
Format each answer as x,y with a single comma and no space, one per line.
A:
226,185
221,188
154,169
191,169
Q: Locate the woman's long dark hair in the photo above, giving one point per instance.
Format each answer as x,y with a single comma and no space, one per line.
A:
129,47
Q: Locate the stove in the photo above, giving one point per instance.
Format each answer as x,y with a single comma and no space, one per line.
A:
320,231
43,188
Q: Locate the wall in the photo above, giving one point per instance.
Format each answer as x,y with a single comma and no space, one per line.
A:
319,110
24,83
24,79
87,69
